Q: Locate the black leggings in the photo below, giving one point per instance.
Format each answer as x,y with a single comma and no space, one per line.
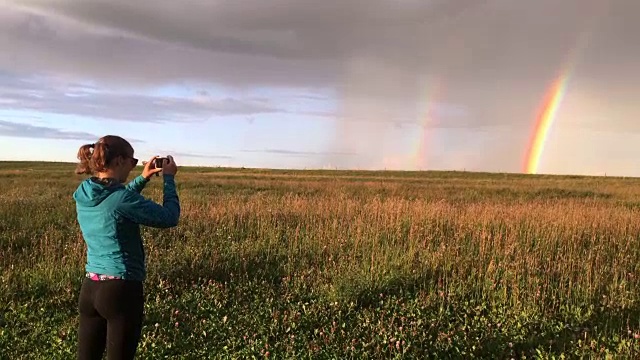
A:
111,313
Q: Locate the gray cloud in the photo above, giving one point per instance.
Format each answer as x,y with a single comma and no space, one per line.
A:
112,55
281,28
8,128
299,153
199,156
44,95
480,52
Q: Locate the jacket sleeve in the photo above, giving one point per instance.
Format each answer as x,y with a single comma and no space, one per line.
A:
146,212
137,184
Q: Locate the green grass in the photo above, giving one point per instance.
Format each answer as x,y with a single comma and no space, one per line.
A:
343,264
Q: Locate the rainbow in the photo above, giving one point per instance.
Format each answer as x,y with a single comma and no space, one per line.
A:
544,123
427,118
557,90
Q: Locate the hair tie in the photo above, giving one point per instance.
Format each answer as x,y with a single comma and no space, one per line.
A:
92,146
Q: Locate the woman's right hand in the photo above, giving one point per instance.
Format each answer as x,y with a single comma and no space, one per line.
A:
169,167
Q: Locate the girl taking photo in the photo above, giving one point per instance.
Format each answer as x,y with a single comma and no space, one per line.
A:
109,213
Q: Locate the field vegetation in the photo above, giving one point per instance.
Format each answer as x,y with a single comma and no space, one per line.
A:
342,264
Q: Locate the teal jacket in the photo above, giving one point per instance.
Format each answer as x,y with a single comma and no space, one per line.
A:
110,217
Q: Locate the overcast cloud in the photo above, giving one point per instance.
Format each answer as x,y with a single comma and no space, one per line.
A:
49,96
466,43
480,63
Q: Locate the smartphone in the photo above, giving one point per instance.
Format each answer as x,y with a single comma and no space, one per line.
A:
159,163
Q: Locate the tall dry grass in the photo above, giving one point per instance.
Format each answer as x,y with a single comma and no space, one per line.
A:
547,245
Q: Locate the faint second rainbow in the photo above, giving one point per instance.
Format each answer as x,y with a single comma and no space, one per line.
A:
431,96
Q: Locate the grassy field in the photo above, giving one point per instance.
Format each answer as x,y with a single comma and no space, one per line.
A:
335,265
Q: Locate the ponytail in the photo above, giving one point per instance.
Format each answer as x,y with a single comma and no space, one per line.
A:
95,158
100,158
84,156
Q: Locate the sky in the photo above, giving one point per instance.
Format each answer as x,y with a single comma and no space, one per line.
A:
338,84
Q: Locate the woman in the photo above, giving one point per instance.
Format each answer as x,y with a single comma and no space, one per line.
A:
110,214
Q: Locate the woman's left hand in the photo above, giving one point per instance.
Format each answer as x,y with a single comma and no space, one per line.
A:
150,169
